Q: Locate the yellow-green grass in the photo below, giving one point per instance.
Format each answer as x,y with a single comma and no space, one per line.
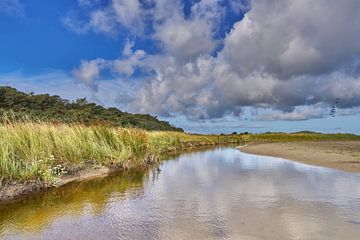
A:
43,151
299,137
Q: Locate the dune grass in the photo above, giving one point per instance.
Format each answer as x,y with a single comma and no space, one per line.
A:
44,151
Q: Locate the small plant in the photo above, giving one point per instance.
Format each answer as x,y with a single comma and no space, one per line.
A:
58,170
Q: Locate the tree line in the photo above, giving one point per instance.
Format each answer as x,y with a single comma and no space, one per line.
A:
44,107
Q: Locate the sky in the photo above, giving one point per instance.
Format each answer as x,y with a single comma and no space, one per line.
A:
208,66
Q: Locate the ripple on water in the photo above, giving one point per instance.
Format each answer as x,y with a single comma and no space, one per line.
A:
217,194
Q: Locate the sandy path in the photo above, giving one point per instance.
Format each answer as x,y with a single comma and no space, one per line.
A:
343,155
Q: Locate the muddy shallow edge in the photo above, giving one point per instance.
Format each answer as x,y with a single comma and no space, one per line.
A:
16,190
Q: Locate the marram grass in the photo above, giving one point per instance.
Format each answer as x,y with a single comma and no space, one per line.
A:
44,151
40,151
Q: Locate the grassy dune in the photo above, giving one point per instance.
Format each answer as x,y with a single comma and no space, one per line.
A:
44,152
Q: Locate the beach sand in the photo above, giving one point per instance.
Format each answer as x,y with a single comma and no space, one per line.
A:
343,155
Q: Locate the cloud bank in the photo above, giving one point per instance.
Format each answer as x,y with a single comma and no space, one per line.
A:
292,56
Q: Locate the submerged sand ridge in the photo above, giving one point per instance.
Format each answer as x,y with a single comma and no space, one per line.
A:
343,155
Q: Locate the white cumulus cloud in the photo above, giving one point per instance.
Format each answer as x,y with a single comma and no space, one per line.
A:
293,56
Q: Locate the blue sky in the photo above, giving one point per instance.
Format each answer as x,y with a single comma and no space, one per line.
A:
207,66
40,32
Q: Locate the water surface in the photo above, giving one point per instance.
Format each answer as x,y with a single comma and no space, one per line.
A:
215,194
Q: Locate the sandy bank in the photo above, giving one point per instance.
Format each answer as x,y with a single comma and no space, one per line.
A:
343,155
14,190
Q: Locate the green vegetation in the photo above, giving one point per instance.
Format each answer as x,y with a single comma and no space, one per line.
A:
306,132
299,137
44,107
45,151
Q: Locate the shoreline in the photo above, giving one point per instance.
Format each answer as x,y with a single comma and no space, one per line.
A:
341,155
16,190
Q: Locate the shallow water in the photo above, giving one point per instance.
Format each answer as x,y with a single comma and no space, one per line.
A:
216,194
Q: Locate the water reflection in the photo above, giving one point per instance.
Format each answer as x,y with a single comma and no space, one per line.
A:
216,194
38,211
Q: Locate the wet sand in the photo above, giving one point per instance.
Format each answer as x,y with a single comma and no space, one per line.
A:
343,155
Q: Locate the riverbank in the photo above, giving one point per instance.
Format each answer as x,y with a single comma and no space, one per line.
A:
17,188
342,155
38,155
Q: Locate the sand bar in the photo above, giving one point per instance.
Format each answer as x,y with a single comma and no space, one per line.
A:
343,155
